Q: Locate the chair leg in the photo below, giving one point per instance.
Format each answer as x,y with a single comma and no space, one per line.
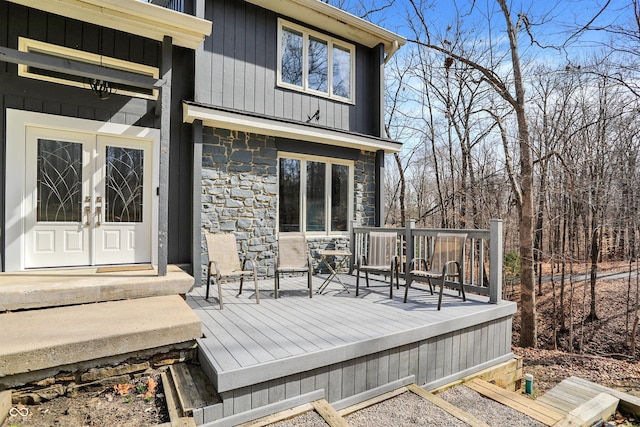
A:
255,283
397,276
208,282
241,281
440,296
220,292
407,284
357,281
276,285
366,275
310,283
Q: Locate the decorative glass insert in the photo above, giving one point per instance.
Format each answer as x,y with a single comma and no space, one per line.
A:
123,184
318,65
291,71
339,197
316,177
59,181
289,192
341,71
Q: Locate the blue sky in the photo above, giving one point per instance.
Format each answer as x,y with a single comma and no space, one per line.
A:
552,21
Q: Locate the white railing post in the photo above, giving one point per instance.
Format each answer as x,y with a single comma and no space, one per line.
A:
408,238
495,261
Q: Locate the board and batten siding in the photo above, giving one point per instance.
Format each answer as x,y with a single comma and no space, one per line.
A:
236,69
432,362
43,97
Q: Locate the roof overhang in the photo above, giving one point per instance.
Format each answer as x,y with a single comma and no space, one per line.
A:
234,120
131,16
337,21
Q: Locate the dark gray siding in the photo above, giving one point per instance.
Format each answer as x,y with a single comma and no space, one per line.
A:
33,95
237,70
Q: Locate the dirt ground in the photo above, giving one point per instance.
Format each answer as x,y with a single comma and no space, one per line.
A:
600,352
597,350
140,402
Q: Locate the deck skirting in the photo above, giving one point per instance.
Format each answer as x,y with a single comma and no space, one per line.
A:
432,362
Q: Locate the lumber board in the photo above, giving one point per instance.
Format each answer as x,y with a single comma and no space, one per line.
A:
443,404
601,407
329,413
369,402
5,404
280,416
516,401
557,405
172,405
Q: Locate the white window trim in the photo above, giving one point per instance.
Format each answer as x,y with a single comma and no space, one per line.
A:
305,78
29,45
303,193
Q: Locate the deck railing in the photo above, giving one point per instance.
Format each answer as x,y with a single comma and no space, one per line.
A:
482,269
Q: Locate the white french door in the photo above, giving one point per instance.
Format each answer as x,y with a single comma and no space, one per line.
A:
87,199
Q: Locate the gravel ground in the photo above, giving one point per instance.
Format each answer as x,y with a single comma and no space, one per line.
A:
308,419
409,409
492,413
406,409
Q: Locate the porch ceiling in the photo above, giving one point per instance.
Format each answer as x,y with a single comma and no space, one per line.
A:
132,16
243,122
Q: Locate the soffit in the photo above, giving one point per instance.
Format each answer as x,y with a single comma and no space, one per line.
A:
239,121
336,21
131,16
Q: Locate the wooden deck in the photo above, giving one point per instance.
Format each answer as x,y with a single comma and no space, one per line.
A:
349,347
574,392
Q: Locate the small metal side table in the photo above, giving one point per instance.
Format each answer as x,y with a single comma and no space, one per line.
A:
342,257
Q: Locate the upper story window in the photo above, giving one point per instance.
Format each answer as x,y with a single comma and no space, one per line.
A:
315,63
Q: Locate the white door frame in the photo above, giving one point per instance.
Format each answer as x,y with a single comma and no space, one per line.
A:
16,123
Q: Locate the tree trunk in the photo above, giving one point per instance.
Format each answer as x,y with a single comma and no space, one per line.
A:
595,250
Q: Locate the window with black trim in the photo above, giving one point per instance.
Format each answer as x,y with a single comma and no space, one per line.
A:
314,194
315,63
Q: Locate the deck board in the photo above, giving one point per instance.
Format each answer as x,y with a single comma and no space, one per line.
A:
296,332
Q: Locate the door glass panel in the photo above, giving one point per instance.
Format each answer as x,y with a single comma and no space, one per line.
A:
316,196
289,195
339,197
59,181
123,184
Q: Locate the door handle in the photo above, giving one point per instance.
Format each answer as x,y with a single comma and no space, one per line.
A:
98,211
87,211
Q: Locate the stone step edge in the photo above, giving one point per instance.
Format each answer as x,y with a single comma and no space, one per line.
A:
41,339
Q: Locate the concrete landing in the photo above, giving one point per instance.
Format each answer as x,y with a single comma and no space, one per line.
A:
36,340
53,288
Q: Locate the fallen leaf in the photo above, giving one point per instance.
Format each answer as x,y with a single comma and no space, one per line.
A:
151,388
122,389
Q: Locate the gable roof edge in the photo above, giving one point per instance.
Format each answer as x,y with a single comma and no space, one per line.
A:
337,21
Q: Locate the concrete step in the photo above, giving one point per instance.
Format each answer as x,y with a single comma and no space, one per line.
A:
54,288
39,340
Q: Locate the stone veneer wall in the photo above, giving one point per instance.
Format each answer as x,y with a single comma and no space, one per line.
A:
240,194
